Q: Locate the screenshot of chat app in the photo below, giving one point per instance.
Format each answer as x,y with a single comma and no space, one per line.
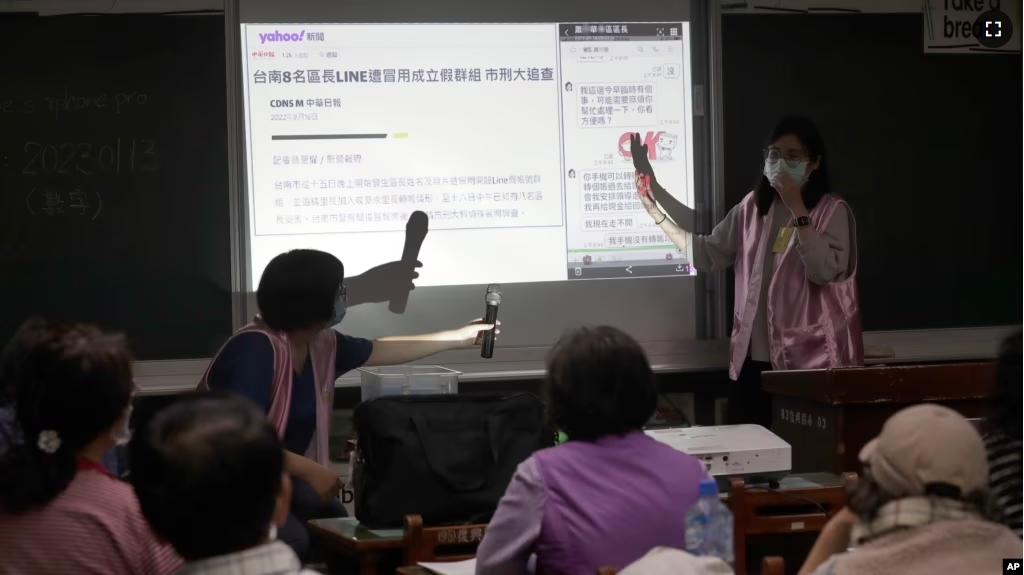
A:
618,79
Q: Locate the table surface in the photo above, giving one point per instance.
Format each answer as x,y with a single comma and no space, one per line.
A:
352,533
803,481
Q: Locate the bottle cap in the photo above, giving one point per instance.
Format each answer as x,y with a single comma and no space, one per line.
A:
708,487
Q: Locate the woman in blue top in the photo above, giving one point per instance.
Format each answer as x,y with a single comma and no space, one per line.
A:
301,296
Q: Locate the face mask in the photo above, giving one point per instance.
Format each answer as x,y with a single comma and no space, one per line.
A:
340,308
124,435
772,170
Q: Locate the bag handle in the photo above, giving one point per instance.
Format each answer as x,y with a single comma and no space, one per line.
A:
435,454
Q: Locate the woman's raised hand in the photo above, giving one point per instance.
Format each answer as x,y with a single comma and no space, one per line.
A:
643,190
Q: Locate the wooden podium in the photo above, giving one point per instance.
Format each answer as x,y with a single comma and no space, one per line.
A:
827,415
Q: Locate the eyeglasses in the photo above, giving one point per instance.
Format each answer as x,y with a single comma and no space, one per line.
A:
792,159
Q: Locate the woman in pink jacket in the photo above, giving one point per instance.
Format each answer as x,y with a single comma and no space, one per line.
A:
287,361
792,244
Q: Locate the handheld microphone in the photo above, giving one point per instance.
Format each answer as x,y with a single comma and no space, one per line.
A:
492,298
415,233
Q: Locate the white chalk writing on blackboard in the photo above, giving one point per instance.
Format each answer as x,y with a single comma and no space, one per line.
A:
67,104
114,157
53,202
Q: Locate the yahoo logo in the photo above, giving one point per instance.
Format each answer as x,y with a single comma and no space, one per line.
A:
278,36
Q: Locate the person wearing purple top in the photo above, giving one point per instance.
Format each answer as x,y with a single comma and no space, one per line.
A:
610,493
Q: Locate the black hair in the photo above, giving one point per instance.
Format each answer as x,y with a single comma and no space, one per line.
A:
817,182
299,288
865,498
72,380
207,472
1007,394
599,383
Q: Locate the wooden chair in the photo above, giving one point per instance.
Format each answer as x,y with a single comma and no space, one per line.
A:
760,511
607,571
451,543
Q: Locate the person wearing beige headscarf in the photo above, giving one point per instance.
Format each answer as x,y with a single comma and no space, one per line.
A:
921,507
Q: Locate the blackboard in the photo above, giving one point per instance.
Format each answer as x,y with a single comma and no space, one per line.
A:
926,148
113,178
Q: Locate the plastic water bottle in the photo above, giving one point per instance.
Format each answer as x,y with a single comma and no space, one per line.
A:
709,525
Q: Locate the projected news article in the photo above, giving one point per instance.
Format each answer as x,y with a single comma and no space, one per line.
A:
512,138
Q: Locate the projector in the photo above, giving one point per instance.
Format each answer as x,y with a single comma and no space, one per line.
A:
747,451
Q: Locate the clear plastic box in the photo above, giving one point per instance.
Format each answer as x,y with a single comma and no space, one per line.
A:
407,380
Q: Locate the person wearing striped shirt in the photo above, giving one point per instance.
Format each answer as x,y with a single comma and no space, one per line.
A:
61,511
1003,435
210,475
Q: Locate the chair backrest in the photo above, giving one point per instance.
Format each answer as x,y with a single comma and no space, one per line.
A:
759,511
450,543
763,511
607,571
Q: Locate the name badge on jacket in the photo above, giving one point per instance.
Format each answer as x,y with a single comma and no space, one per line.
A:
782,240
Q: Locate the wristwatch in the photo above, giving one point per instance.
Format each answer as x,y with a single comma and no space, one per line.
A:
802,222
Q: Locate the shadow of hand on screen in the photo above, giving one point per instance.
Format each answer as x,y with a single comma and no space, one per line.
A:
382,283
392,282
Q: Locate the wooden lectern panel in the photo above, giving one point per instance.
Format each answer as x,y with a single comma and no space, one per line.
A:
828,415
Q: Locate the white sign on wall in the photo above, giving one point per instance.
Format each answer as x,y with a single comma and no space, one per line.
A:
972,26
950,26
820,6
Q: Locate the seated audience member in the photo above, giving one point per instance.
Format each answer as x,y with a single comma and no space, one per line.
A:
210,475
668,561
1003,435
60,511
922,505
287,360
610,493
8,428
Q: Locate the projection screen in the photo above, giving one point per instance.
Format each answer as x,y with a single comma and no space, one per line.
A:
507,125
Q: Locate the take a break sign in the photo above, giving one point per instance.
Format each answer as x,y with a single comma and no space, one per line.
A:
972,26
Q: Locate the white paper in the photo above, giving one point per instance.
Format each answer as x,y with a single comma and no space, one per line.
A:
467,567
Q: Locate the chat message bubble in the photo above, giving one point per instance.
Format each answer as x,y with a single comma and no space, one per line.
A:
611,222
610,105
609,192
646,239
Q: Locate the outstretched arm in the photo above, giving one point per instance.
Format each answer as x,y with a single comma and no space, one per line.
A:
682,215
399,349
706,253
713,252
648,189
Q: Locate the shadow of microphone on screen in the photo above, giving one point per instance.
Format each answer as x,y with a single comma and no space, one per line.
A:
392,282
415,233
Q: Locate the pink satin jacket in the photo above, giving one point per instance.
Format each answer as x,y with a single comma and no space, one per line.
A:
322,349
810,326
